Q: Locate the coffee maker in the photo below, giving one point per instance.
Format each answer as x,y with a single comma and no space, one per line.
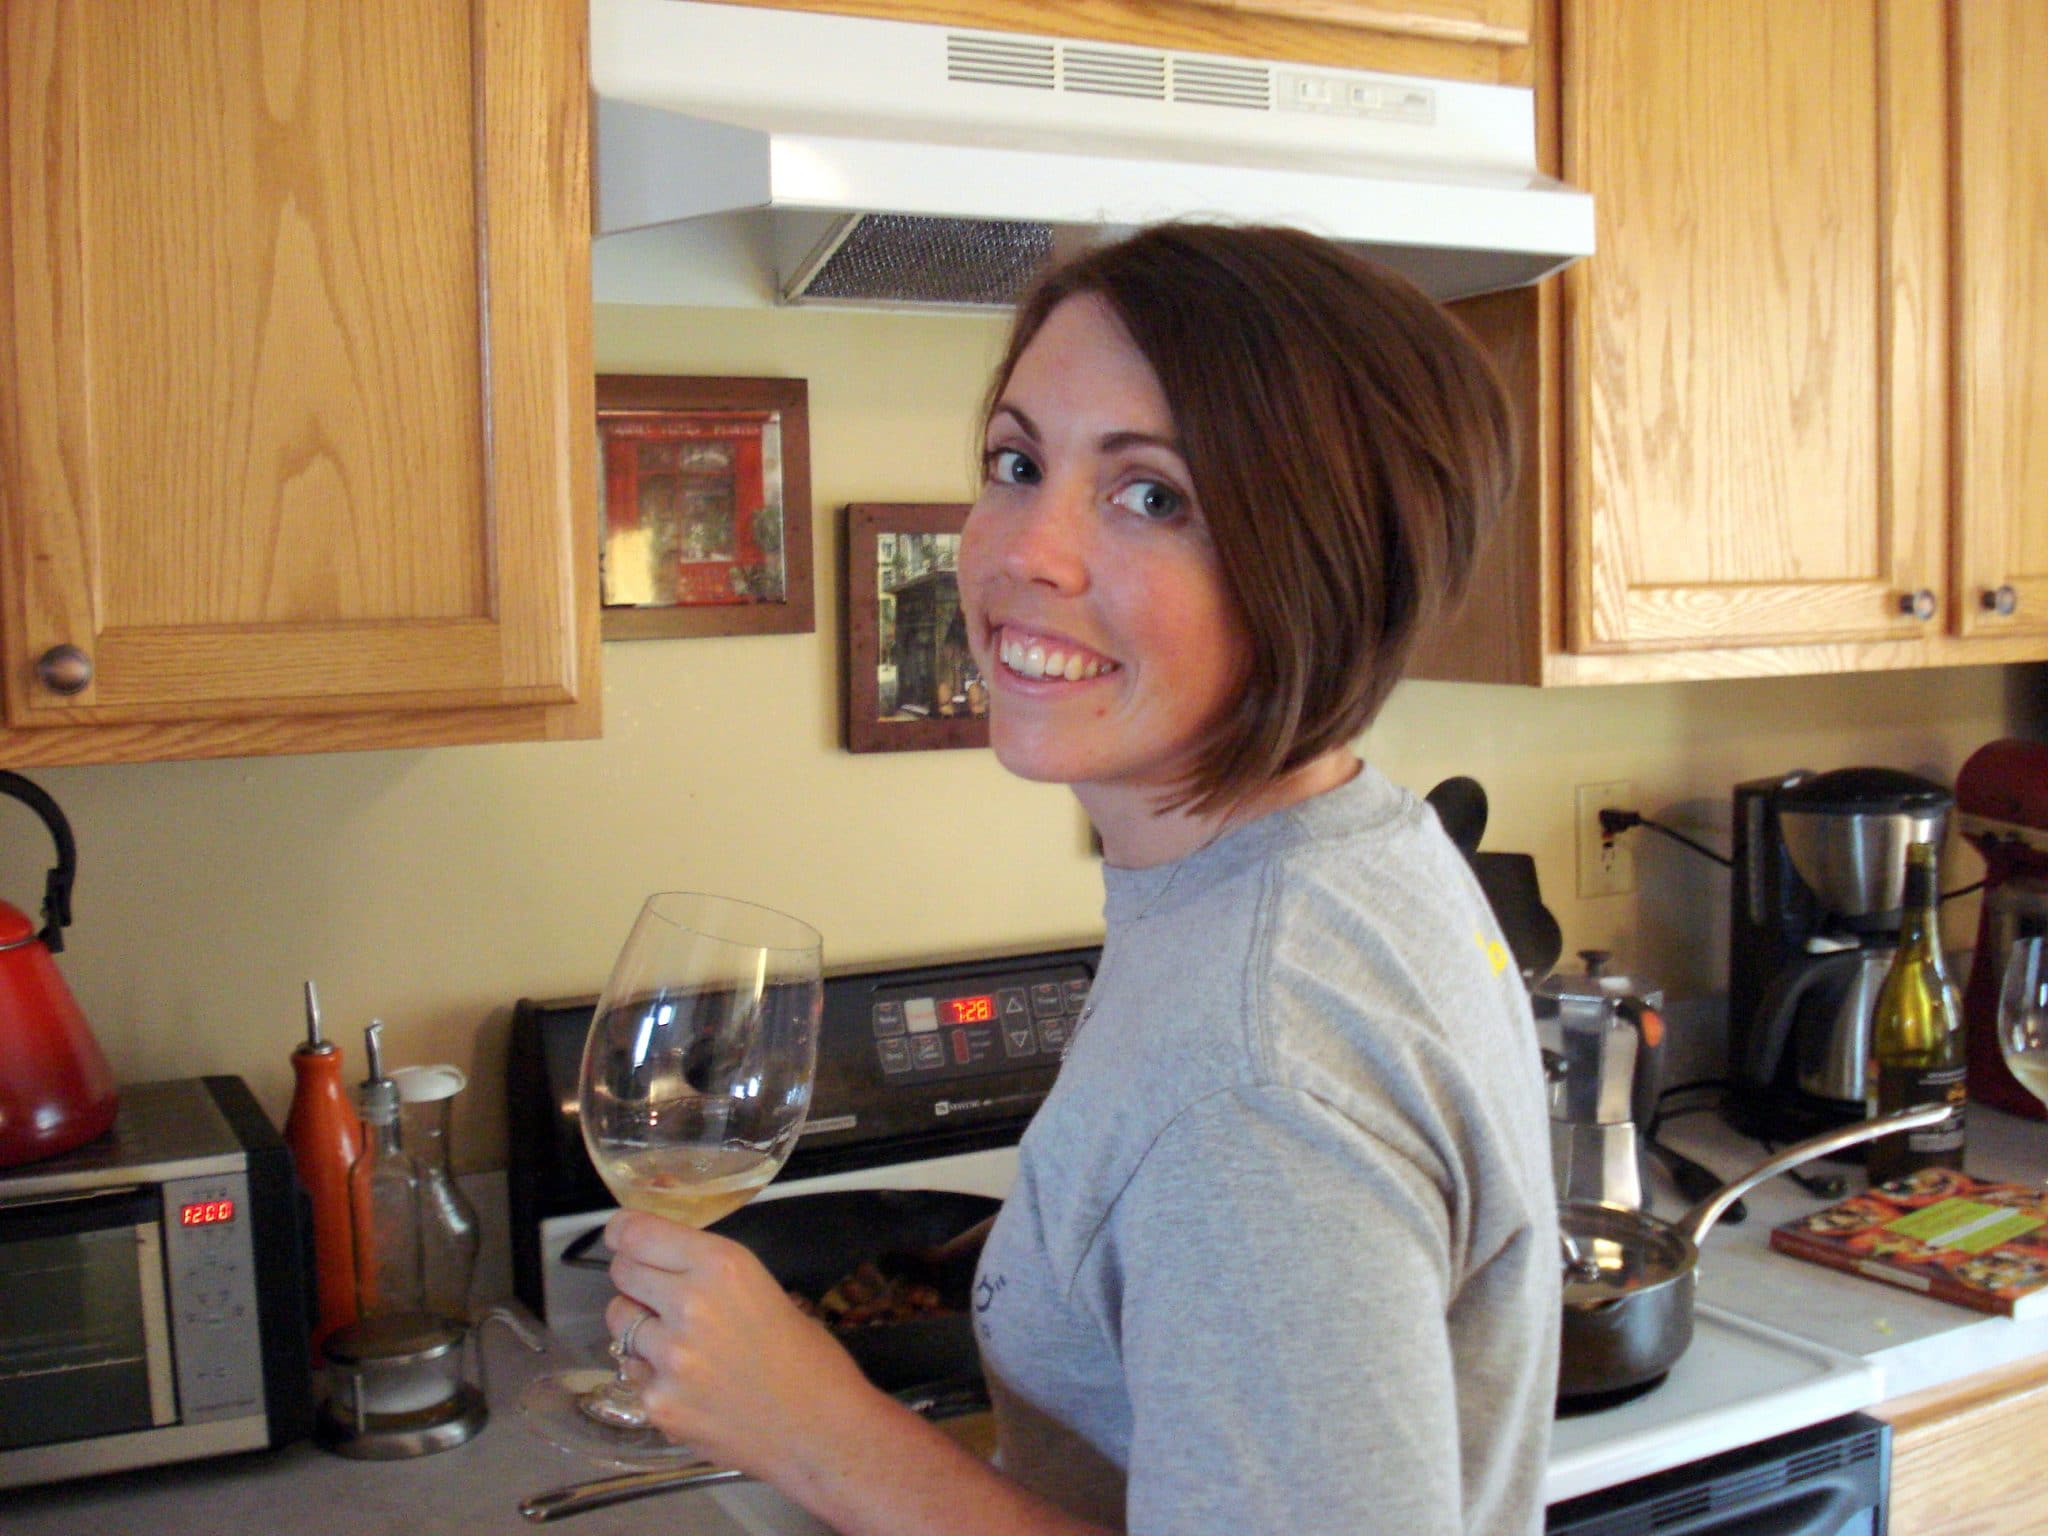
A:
2002,812
1814,913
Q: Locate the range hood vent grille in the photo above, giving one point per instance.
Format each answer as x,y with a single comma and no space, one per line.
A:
976,263
1002,61
1134,73
1217,84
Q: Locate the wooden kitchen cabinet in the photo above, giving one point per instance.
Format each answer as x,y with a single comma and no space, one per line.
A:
298,448
2001,317
1743,458
1966,1458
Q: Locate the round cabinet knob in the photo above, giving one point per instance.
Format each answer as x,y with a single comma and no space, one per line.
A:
1918,605
2003,601
64,669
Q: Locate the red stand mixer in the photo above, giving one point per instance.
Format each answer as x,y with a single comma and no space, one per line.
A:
56,1090
2002,812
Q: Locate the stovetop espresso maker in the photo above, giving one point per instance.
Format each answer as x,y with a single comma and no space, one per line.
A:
1603,1040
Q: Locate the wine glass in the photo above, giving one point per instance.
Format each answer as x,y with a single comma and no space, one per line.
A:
696,1079
2023,1015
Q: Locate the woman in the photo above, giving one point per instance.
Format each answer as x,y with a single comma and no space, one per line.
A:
1282,1252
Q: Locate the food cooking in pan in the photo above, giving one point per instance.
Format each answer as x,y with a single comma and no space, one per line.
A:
868,1297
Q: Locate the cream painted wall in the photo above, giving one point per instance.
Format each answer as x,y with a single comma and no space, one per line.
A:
431,889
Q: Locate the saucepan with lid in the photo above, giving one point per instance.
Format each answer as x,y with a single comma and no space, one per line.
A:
1629,1277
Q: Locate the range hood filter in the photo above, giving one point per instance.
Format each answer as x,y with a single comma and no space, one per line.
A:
884,258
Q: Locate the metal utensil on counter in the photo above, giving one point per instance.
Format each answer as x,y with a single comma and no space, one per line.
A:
951,1400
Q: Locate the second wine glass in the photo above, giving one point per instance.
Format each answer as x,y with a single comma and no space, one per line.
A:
696,1080
2023,1014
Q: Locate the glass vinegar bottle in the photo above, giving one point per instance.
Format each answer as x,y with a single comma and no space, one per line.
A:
384,1200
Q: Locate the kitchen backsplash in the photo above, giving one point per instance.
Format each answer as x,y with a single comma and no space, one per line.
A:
432,888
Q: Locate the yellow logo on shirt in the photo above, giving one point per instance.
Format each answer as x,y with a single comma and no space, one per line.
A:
1497,954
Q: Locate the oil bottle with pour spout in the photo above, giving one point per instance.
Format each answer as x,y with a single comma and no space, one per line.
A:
395,1374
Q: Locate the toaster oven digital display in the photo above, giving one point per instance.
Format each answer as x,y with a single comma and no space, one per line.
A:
206,1213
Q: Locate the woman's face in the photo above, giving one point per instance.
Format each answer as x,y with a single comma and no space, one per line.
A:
1094,597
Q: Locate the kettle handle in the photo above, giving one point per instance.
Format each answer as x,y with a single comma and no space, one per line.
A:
57,884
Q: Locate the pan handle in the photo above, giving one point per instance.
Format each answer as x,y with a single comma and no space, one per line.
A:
1696,1222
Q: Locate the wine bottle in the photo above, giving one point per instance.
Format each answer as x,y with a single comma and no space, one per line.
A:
1916,1048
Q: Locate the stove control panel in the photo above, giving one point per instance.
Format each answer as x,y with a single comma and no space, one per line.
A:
914,1061
997,1024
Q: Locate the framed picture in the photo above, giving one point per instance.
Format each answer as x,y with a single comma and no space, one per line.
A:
911,682
705,491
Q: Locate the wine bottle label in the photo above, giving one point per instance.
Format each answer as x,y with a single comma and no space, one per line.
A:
1903,1087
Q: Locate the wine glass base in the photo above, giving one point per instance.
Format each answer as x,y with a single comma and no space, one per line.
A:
553,1407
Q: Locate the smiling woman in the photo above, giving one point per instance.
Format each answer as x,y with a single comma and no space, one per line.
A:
1291,1186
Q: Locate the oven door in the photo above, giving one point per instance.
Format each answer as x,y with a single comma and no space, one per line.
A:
1829,1479
84,1335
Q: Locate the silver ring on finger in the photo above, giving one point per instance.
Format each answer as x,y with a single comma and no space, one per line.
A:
623,1348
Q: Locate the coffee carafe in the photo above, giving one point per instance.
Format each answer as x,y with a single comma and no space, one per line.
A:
1603,1040
1815,898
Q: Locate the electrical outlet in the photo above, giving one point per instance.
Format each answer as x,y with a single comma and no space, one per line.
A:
1607,866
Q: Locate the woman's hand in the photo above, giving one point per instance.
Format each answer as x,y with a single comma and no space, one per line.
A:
727,1364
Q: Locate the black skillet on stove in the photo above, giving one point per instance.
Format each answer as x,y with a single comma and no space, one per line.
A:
810,1243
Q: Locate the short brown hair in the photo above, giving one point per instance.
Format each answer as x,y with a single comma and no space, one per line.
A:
1349,444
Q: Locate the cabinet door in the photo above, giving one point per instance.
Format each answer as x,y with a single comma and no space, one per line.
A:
1754,379
292,377
1966,1457
2001,193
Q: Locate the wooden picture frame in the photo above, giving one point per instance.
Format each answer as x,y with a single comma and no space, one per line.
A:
911,684
704,507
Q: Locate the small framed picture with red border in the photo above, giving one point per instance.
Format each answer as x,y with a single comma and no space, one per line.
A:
705,497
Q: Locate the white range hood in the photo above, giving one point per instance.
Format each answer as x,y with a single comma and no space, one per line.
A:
757,156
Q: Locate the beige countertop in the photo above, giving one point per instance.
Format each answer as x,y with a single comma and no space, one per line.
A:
1914,1340
473,1489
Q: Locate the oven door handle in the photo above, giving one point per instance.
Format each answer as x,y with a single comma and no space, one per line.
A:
1824,1503
71,1213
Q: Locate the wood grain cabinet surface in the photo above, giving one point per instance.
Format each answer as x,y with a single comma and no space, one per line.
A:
1966,1458
296,345
1779,418
2001,213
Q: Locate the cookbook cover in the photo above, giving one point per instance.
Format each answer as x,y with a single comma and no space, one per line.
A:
1939,1232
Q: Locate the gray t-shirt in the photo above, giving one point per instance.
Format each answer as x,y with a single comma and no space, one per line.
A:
1282,1251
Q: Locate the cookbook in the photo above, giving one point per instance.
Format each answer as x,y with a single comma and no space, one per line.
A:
1939,1232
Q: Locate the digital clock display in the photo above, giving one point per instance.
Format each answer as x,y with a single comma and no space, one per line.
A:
206,1213
971,1010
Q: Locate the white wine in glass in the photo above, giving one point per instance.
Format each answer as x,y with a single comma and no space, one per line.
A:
696,1080
2023,1014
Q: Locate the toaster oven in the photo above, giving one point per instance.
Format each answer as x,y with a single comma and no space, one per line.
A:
153,1298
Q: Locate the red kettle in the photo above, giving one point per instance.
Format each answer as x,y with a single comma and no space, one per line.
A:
56,1090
